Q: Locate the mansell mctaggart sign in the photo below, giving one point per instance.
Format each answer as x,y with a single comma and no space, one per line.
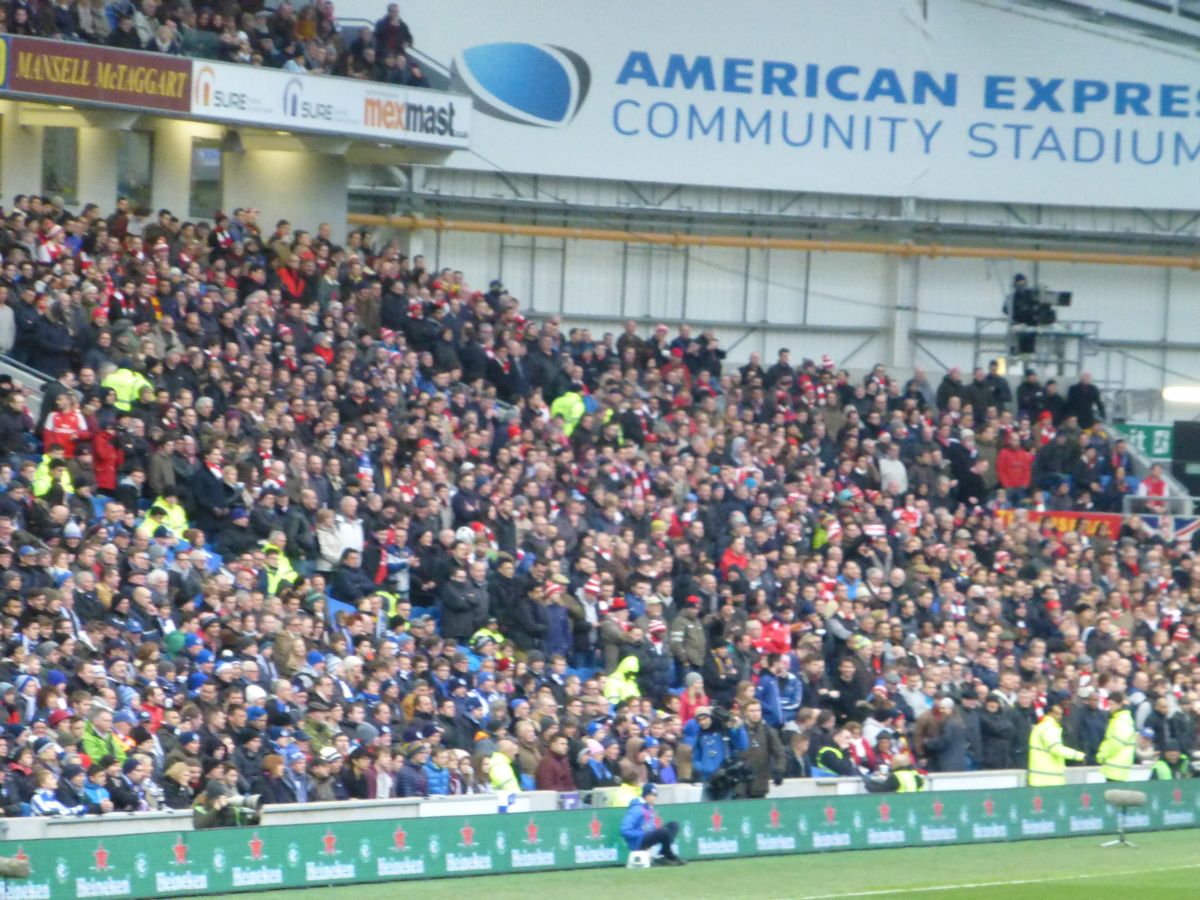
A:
68,71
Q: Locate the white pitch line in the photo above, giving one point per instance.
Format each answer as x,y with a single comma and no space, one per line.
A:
986,884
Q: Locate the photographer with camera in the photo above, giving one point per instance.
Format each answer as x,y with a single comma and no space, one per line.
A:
220,807
717,739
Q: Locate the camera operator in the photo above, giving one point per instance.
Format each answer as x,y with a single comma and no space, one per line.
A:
1022,304
220,807
717,738
1023,309
213,810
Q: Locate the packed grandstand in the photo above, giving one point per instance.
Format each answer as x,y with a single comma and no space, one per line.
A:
305,40
313,520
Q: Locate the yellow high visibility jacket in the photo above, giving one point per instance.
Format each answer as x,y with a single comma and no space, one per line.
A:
624,795
127,385
1117,749
42,480
284,572
177,519
910,782
571,407
622,683
1048,755
501,774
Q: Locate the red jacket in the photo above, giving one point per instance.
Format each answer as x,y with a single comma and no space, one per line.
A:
107,462
1014,467
554,774
729,559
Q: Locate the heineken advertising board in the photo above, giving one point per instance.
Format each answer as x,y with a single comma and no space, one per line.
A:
246,859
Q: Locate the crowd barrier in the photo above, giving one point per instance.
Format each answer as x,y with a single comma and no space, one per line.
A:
329,853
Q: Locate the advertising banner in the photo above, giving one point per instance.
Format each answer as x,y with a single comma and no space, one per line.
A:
60,70
1106,524
954,99
269,98
220,861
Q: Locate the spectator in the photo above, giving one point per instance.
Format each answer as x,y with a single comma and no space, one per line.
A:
392,34
1084,402
125,36
554,771
1086,723
764,751
996,730
947,746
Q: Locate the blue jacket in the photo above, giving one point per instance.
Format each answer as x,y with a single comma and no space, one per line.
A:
709,750
768,695
559,635
639,819
438,780
791,693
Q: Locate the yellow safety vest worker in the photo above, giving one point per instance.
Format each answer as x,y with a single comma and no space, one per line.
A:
1117,749
176,519
127,385
910,782
501,774
624,795
487,632
622,683
571,407
43,482
1048,755
284,571
820,770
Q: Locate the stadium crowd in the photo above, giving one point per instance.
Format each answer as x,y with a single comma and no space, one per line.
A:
292,36
316,520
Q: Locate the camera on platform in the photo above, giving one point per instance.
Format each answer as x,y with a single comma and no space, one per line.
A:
1035,306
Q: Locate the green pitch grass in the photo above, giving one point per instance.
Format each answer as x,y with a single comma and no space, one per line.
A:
1165,867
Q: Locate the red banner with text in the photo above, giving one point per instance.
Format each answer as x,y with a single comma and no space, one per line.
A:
1093,524
61,70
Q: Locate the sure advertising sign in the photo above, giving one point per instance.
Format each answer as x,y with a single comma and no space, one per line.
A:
270,98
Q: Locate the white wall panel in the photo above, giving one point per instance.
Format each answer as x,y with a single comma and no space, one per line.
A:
783,273
850,287
547,291
1183,311
952,292
593,278
515,267
1127,300
717,283
654,282
477,255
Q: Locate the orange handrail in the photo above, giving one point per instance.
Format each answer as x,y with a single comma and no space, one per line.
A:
679,239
